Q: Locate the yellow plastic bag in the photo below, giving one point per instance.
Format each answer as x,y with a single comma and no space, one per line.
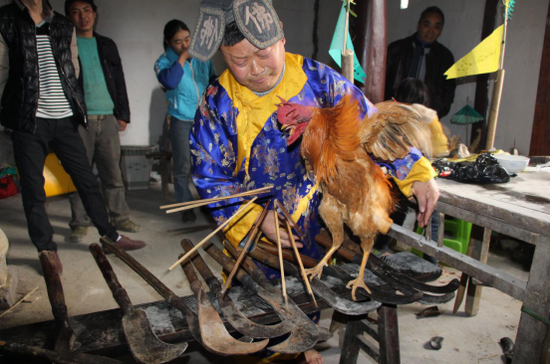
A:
57,181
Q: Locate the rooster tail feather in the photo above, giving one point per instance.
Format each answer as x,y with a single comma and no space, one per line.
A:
393,130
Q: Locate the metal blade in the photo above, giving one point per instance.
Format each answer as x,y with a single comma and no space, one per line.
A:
146,347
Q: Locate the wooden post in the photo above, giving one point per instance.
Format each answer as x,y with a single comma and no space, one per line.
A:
495,107
388,331
541,121
480,251
482,81
497,94
371,45
347,65
347,54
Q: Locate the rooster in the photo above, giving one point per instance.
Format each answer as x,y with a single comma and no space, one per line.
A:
355,191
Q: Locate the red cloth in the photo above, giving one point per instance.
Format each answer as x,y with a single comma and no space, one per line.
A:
7,187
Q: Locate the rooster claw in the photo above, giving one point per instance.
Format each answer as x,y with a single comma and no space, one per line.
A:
357,283
315,271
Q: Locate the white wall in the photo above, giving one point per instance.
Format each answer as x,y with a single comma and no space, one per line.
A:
462,32
136,26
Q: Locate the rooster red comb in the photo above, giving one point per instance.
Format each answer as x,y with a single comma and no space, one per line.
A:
294,117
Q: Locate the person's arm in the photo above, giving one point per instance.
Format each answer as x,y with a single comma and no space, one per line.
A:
414,175
213,142
4,65
122,106
169,75
74,55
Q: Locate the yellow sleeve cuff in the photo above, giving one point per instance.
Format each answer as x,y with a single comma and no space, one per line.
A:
241,225
421,171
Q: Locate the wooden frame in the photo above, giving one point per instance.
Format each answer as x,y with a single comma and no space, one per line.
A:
521,210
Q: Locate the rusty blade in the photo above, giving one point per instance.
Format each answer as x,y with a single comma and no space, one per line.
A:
332,298
161,288
251,237
66,336
214,335
304,335
145,346
230,311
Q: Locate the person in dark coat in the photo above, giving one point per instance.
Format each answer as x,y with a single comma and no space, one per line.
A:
421,56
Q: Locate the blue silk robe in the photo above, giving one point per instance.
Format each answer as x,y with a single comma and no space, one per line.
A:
237,145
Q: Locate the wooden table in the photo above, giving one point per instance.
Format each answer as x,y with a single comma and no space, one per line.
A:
520,209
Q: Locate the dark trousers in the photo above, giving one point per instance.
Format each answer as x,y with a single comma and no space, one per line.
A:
30,152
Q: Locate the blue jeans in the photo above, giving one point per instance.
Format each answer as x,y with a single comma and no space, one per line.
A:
181,154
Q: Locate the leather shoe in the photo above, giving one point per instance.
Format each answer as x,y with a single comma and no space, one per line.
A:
125,243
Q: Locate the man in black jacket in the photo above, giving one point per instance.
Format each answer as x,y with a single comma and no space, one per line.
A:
106,98
421,56
42,103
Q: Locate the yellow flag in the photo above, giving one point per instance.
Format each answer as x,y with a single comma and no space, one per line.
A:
484,58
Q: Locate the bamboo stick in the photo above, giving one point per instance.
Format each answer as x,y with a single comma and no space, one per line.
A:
18,302
280,251
198,203
190,252
300,264
289,218
220,198
251,237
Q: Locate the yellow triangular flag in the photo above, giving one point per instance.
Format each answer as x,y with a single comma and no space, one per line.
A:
484,58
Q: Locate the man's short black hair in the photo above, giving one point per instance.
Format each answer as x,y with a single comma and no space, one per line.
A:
432,9
68,4
232,35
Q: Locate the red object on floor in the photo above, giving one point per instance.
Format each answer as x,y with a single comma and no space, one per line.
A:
7,187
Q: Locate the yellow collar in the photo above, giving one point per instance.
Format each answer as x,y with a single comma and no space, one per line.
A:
255,111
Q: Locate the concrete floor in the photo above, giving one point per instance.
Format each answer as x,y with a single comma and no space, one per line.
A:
467,340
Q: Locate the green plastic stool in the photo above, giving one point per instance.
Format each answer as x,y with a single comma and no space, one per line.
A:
460,235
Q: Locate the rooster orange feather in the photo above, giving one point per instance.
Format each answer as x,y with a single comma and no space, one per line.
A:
336,146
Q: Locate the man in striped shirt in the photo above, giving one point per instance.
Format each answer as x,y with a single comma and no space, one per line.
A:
108,112
42,103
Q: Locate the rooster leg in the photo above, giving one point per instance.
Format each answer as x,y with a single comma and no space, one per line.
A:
318,269
359,282
330,211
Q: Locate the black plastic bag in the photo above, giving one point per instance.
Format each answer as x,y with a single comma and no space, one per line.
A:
485,169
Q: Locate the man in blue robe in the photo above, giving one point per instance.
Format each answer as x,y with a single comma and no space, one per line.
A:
236,142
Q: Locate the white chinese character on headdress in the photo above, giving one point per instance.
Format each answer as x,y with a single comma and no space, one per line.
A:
209,31
261,18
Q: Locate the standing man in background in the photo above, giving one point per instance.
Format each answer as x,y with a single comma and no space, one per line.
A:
42,104
421,56
108,113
